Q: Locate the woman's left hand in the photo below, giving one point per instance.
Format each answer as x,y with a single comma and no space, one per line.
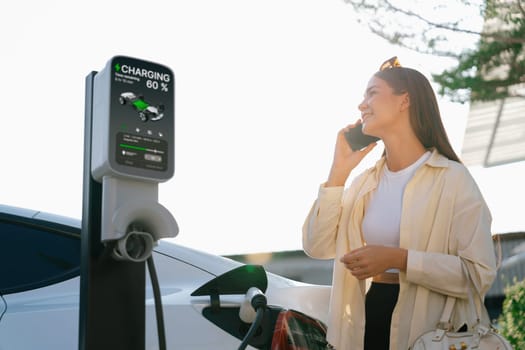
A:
371,260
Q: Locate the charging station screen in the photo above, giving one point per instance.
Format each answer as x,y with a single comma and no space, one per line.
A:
142,152
142,115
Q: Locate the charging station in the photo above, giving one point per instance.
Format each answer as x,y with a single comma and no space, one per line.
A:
129,138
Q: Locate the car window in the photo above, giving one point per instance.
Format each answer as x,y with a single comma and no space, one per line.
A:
34,254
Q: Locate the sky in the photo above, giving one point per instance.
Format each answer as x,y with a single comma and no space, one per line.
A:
261,90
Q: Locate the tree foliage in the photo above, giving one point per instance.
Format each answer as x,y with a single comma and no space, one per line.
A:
512,318
485,38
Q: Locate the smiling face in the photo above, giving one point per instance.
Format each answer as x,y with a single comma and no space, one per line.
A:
399,104
382,110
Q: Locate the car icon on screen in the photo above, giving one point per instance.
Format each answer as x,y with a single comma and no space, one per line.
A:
146,111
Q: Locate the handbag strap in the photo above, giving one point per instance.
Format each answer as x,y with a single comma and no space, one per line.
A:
444,321
481,311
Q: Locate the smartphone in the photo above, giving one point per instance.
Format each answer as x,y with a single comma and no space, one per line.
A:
357,140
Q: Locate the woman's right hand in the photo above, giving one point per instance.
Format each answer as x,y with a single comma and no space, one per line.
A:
345,159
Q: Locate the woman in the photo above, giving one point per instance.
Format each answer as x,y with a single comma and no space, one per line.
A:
401,232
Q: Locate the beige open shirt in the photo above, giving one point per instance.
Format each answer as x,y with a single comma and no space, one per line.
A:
444,222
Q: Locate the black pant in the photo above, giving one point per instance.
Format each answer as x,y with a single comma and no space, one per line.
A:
380,301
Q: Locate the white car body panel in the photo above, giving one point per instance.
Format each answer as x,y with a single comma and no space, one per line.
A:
47,317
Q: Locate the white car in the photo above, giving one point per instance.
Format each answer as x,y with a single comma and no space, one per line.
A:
146,111
40,281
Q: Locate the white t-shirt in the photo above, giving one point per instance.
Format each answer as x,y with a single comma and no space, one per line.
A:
383,215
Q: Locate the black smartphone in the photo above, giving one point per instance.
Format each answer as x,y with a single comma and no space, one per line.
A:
357,140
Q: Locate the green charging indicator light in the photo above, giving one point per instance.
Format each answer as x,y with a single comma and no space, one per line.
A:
136,148
140,105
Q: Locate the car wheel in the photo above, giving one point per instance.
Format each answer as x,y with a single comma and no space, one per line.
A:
122,100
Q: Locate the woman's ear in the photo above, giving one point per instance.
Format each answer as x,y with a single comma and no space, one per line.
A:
405,102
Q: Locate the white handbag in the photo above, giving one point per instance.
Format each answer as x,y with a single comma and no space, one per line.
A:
482,336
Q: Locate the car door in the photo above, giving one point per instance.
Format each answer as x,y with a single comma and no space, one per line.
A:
39,269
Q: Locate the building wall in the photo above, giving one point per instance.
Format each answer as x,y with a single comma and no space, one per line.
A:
510,248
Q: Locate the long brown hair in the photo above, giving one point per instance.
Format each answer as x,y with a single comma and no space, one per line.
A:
425,117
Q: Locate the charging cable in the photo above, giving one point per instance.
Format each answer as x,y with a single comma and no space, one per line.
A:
158,303
252,310
137,246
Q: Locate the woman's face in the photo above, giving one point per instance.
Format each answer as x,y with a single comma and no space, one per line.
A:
381,109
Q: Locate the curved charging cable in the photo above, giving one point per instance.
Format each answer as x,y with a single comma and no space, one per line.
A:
256,299
140,246
158,303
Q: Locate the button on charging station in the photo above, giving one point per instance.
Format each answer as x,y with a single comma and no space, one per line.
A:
153,158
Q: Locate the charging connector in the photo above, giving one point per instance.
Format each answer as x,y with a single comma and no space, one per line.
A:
135,246
252,311
253,299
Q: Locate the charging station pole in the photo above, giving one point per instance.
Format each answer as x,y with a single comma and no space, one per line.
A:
128,149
